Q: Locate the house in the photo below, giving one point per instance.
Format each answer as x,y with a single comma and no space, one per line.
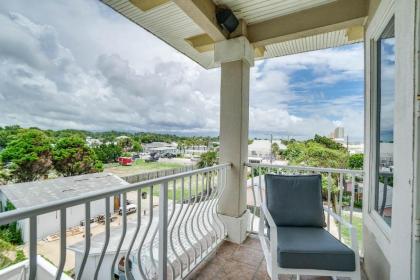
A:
28,194
93,142
262,148
160,148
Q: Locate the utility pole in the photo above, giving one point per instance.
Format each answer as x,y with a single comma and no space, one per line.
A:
347,143
271,148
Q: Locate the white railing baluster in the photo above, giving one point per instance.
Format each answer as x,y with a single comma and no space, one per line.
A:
198,214
172,228
210,207
190,208
163,231
180,225
203,211
340,203
123,233
107,233
63,232
329,199
254,199
353,183
33,247
195,207
149,223
87,241
127,269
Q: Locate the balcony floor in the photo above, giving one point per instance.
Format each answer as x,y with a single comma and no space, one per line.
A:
244,262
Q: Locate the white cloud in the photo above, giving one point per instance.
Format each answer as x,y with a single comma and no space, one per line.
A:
87,67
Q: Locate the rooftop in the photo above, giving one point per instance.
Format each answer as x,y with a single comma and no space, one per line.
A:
39,192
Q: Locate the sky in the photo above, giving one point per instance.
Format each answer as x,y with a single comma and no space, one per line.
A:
80,65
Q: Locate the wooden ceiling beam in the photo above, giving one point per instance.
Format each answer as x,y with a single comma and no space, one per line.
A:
337,15
146,5
203,13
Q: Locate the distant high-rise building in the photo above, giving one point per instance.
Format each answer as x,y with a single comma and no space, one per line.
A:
339,132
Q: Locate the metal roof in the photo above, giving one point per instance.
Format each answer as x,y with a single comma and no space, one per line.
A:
39,192
169,23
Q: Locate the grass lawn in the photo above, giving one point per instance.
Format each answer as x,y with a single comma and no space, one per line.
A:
357,223
195,188
140,166
9,254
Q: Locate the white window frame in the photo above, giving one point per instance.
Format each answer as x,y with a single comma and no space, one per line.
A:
379,228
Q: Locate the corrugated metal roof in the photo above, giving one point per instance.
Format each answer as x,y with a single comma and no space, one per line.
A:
39,192
169,23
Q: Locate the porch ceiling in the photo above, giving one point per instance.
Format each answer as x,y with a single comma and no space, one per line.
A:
274,27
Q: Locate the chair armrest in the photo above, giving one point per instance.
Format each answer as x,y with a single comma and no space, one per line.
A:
352,229
268,216
338,218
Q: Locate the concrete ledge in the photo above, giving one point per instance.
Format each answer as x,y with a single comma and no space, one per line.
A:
236,227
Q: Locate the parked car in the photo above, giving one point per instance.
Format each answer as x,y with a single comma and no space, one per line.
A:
125,161
130,208
153,157
168,155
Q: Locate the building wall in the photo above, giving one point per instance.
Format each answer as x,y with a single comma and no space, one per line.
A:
388,250
375,263
49,223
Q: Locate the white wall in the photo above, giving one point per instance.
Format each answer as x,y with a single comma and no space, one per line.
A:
388,250
91,264
50,223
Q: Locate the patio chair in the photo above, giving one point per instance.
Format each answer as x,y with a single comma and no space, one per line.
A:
296,242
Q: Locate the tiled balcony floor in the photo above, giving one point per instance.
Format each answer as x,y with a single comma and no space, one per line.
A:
240,262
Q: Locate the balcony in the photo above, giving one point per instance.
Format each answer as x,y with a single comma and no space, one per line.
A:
177,234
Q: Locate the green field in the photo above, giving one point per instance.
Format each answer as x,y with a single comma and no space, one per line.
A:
358,224
195,188
140,166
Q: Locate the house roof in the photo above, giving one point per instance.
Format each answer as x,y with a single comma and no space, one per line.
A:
273,27
38,192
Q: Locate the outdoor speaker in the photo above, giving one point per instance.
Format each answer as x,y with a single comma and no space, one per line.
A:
227,19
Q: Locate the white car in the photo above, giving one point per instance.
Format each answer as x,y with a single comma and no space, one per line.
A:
130,208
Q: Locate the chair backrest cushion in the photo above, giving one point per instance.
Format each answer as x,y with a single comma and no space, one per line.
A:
295,200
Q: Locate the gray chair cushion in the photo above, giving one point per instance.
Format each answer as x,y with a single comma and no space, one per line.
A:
312,248
295,200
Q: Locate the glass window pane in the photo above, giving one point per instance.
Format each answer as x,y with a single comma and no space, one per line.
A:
385,132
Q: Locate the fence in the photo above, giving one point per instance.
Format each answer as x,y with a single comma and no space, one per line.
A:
175,238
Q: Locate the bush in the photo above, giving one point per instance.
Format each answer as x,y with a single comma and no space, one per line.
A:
11,233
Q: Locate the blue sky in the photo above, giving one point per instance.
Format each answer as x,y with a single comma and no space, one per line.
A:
85,67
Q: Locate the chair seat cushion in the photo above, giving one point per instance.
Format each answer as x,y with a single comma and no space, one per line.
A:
312,248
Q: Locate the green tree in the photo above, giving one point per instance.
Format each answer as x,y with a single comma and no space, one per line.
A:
275,149
71,156
29,156
356,161
108,153
207,159
125,142
137,147
311,153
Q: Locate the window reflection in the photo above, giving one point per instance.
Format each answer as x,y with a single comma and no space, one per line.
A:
385,137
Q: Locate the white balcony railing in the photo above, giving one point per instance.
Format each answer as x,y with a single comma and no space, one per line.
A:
176,237
341,188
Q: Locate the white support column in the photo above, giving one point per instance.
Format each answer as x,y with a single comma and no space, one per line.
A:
236,58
